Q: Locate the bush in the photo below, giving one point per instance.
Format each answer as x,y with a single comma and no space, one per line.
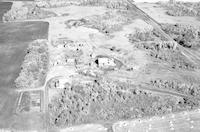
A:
141,36
189,103
35,66
27,11
149,35
164,51
178,86
107,23
185,35
105,100
180,9
113,4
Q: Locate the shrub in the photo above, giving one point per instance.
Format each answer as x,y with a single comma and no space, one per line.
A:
113,4
189,90
35,66
107,23
185,35
104,100
180,9
27,11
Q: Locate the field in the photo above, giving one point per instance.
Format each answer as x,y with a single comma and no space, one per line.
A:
105,61
13,47
181,122
4,6
14,0
158,12
14,40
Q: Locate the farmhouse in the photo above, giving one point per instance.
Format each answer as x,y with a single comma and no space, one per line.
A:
105,62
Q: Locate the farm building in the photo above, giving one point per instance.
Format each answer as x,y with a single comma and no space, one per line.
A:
107,62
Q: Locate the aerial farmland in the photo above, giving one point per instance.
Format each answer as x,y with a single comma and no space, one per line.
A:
99,66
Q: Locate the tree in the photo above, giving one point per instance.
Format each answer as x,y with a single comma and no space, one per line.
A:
172,1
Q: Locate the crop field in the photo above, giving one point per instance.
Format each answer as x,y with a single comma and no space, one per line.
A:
183,122
15,0
14,41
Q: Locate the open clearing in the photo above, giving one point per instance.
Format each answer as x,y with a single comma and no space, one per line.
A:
157,12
